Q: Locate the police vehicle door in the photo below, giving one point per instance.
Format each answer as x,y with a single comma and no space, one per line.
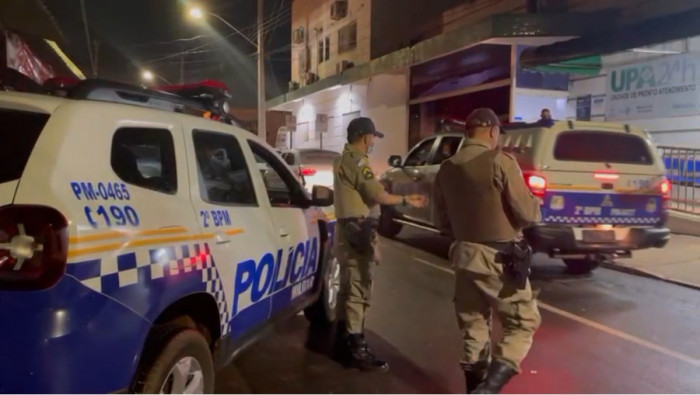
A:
298,234
243,242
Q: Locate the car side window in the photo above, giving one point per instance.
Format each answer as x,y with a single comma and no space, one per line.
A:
448,147
280,184
224,177
420,155
145,157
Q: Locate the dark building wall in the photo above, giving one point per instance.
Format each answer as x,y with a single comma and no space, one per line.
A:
399,23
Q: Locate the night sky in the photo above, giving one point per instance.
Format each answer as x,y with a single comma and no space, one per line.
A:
153,34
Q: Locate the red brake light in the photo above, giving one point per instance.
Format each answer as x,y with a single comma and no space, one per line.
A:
537,184
665,188
33,247
307,171
606,176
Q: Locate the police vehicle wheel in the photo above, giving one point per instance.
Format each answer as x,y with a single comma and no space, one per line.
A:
180,363
387,226
581,266
323,312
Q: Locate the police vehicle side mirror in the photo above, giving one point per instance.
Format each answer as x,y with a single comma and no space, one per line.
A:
395,161
321,196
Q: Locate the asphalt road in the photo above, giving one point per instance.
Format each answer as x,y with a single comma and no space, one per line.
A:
608,332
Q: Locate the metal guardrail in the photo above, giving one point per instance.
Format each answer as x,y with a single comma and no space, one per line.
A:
683,171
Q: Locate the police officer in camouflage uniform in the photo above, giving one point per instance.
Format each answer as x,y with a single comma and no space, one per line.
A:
481,200
357,195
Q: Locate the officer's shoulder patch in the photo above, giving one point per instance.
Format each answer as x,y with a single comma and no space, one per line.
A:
367,173
362,161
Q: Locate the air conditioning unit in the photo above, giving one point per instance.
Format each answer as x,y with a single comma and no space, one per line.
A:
293,85
343,65
311,78
339,9
298,35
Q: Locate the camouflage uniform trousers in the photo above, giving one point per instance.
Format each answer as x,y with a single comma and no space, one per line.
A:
480,288
356,279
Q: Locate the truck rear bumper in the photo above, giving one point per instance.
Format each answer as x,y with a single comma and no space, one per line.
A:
562,240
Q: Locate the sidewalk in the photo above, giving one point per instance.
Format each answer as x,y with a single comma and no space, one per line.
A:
678,262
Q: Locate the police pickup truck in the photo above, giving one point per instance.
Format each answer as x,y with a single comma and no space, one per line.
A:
143,244
602,188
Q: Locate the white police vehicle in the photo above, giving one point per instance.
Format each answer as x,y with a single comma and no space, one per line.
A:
142,245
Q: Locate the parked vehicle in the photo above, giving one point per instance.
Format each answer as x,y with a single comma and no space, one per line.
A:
143,245
602,188
314,166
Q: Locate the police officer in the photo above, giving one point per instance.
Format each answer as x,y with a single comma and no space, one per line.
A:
482,201
357,194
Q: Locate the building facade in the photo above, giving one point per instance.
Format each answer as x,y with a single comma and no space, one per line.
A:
414,65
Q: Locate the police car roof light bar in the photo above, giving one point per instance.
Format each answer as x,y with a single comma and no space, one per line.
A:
116,92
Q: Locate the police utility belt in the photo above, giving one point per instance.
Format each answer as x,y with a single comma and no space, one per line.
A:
516,258
359,232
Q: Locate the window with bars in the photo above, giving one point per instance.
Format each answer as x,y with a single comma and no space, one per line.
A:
347,38
324,50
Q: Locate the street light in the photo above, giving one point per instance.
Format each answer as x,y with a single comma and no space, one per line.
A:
198,13
149,76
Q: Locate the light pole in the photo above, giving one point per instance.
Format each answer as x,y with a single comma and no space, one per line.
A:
198,13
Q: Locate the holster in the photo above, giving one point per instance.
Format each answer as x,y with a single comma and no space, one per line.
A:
360,233
516,257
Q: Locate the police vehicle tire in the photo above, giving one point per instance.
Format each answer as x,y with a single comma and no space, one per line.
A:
581,266
321,313
171,343
387,226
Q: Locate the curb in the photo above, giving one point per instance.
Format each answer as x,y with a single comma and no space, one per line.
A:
684,223
647,274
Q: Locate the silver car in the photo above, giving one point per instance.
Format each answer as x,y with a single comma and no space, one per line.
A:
416,174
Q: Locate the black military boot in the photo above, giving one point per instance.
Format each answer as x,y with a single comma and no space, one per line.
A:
498,375
360,357
475,374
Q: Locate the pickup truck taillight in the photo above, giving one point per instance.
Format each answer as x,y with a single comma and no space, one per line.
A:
665,188
33,247
537,185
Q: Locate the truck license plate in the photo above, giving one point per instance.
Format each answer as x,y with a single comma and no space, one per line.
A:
598,236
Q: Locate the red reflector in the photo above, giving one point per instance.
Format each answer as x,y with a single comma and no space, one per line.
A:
33,247
606,176
307,171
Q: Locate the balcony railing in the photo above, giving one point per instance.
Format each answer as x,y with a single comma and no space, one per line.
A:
683,170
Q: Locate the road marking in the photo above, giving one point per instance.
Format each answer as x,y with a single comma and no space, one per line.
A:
593,324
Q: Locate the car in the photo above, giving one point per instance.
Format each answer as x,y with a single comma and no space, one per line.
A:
602,188
314,166
143,244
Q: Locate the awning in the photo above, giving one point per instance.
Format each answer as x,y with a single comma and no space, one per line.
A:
589,65
606,41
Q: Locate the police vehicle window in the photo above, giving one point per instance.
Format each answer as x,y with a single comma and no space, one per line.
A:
448,147
606,147
145,157
223,173
19,131
420,155
279,182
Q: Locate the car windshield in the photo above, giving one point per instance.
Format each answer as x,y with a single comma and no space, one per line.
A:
606,147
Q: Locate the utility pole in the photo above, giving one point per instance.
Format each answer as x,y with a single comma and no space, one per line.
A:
262,131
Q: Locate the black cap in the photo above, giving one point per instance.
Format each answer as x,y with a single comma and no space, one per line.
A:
361,126
482,117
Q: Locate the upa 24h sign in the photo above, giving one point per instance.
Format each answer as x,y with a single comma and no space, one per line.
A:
661,88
